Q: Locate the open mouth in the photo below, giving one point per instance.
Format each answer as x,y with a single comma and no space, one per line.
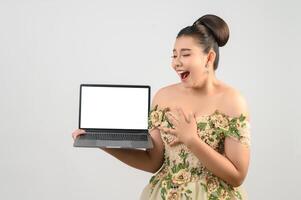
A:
184,75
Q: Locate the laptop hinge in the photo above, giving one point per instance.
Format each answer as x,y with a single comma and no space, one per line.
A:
133,131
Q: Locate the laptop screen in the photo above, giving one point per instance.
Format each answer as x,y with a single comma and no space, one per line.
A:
114,107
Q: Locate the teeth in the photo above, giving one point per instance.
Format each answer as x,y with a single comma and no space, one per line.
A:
181,72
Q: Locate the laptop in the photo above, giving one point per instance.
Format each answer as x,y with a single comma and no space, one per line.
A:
114,116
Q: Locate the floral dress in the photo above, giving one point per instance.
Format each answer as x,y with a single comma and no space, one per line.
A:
182,175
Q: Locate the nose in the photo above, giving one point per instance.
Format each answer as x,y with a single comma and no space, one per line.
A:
177,62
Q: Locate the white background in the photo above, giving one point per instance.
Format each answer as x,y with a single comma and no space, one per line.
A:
47,48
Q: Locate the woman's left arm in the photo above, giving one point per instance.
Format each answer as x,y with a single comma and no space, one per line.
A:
233,165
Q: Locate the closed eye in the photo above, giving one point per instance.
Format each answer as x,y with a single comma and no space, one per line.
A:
183,55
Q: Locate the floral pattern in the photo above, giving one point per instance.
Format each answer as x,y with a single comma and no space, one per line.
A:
181,169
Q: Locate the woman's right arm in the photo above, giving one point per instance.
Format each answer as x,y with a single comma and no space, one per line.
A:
149,160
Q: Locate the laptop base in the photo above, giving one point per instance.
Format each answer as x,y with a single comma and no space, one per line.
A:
145,144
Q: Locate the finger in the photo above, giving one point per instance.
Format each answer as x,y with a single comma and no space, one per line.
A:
160,128
184,115
168,130
193,117
174,142
172,131
171,117
164,129
177,109
190,117
73,136
174,122
181,114
82,131
77,133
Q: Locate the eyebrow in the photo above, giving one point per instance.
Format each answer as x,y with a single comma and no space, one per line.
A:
184,49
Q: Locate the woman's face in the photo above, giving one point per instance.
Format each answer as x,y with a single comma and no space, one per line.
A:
189,57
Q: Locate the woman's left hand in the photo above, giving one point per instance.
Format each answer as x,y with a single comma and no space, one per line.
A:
184,128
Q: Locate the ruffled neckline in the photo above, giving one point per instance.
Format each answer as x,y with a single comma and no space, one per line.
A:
217,112
206,116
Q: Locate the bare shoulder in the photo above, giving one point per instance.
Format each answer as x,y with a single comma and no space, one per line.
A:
162,95
234,103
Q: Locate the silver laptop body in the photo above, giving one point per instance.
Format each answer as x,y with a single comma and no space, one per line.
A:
114,116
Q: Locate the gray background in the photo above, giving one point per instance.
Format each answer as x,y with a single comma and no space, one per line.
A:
47,48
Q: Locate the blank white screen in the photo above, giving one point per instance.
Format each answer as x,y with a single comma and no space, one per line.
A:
114,107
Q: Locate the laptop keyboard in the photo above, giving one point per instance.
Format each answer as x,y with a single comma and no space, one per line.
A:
113,136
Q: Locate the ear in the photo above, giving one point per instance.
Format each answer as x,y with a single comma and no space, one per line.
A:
211,57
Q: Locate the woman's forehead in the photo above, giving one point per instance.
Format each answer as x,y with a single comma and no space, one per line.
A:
185,44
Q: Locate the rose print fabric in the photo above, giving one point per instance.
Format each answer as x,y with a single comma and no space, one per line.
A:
182,175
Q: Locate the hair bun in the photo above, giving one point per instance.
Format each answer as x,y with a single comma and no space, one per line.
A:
216,25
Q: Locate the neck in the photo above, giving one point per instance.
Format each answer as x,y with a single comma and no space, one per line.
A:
207,88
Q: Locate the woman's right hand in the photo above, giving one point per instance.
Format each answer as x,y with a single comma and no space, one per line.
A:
78,132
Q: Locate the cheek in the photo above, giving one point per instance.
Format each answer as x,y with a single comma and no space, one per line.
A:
197,73
192,62
197,67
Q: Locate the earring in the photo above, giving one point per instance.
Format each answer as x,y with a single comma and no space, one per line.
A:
207,70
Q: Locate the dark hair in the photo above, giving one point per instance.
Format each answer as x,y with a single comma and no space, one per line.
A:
210,31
